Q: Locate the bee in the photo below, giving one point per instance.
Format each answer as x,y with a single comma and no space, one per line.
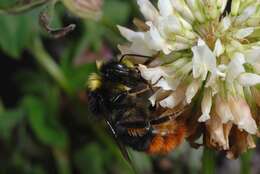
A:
120,96
110,93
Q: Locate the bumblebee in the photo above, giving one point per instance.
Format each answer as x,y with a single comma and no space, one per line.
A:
111,93
120,96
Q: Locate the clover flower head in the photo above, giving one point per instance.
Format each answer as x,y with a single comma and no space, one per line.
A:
206,57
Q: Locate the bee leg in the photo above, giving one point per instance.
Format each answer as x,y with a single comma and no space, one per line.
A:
150,86
158,80
149,61
134,55
119,98
134,94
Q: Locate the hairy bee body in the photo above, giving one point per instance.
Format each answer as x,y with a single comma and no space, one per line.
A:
158,135
115,96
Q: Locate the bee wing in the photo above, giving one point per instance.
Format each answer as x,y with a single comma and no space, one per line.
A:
121,146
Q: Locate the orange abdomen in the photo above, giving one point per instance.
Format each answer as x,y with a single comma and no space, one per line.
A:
166,143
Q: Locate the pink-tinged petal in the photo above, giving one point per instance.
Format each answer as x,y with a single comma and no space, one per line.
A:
250,142
223,110
216,131
242,115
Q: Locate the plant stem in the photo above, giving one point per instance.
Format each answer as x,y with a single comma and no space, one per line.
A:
104,138
46,61
23,8
63,164
208,161
2,109
245,160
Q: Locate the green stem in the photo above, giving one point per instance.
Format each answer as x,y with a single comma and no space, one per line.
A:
208,161
45,60
2,109
104,138
23,8
245,162
62,159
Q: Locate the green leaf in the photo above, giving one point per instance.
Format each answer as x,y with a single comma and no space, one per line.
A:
46,128
16,32
118,16
62,161
32,82
94,33
8,120
145,165
78,76
23,165
7,3
90,159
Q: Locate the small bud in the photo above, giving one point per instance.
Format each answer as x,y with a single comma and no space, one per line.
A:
90,9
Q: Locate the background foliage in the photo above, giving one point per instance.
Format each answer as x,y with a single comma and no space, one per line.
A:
45,126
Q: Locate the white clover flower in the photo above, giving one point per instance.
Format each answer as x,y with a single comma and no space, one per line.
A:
204,54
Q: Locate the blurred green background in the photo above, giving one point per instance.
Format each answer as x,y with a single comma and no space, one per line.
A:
45,127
